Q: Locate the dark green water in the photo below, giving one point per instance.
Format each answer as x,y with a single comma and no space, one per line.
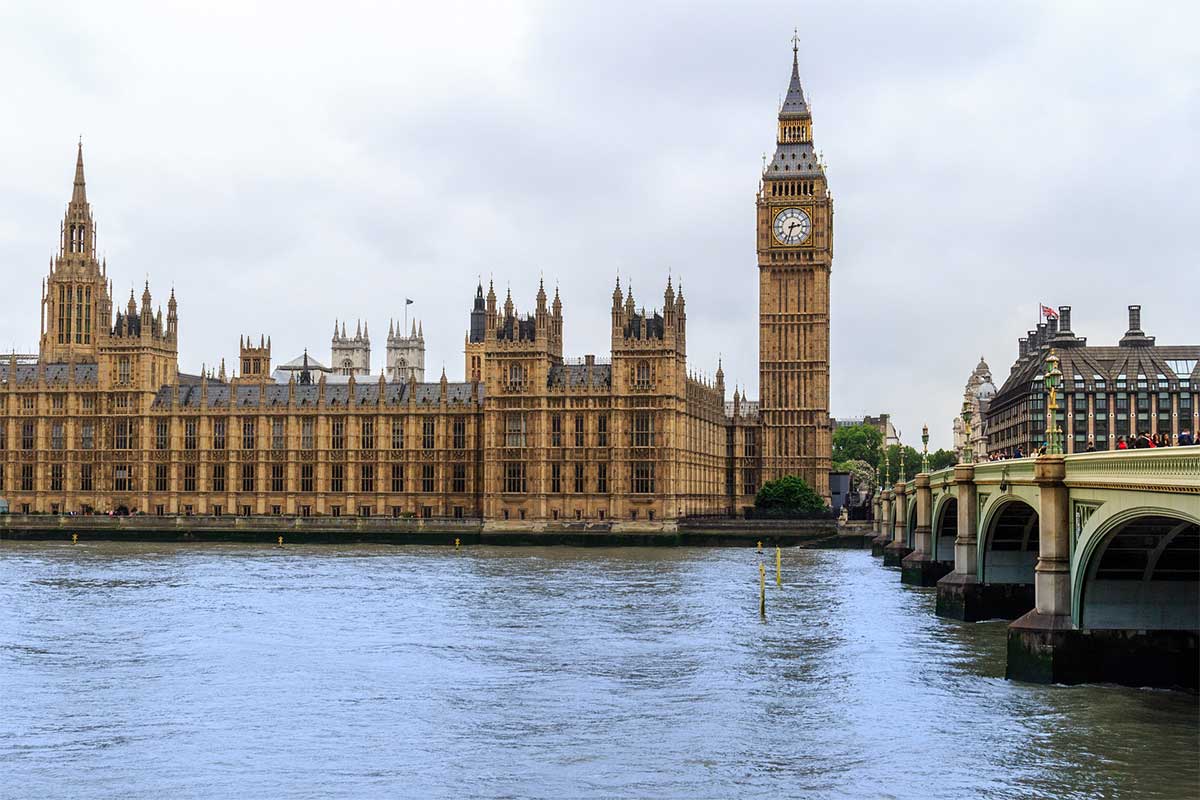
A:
240,671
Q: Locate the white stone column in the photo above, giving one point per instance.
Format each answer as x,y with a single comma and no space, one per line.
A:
1052,575
901,524
923,538
966,541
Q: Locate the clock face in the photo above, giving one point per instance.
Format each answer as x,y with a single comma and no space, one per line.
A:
792,226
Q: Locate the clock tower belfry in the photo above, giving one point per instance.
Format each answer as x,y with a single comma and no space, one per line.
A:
795,253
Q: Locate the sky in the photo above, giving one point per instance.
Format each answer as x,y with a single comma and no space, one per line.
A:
283,165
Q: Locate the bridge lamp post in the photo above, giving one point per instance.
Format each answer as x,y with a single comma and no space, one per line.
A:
925,448
968,449
1052,380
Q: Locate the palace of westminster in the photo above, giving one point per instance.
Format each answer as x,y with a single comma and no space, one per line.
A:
101,420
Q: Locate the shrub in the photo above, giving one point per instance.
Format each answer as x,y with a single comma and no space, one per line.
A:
789,494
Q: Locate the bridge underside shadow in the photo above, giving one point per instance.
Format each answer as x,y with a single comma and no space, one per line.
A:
1137,614
932,561
1003,587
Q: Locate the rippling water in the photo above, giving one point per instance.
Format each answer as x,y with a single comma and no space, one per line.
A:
240,671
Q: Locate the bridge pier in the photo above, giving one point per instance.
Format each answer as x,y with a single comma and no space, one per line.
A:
885,529
895,551
1045,645
919,567
961,595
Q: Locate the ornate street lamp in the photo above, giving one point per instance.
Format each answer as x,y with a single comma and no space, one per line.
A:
968,456
902,475
924,448
1052,380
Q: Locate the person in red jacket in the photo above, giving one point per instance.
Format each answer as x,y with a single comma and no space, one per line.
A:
1121,443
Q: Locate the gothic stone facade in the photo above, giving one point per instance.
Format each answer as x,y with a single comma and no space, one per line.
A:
795,255
101,420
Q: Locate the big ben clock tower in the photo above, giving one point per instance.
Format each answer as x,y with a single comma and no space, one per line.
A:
795,252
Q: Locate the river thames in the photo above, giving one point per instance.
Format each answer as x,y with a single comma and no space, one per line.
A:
157,670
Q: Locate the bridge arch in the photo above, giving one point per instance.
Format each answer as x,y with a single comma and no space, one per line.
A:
1138,567
945,528
1008,540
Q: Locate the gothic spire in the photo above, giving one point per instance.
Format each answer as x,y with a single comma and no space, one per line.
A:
794,105
79,193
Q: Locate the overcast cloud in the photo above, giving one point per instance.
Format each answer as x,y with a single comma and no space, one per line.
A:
284,164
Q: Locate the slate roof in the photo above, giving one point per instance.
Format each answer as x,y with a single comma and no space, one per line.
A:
793,160
653,326
577,375
1134,362
336,395
55,373
794,105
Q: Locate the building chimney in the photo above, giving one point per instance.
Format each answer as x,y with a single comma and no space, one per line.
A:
1064,319
1022,347
1052,326
589,360
1135,336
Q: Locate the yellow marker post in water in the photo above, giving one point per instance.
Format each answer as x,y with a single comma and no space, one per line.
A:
778,567
455,542
760,545
74,538
762,590
280,541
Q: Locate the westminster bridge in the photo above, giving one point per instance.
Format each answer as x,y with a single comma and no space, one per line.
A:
1095,556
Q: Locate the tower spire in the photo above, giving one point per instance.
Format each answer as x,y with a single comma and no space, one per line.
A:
79,192
794,104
